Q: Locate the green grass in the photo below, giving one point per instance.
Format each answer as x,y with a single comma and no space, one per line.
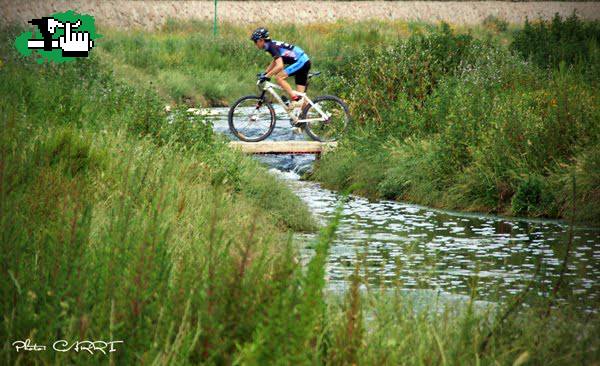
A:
113,214
120,223
451,120
454,118
187,64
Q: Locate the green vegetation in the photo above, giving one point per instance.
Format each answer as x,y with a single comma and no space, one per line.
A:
187,64
550,43
455,117
118,222
449,120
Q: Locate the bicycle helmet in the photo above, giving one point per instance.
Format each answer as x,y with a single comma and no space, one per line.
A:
260,33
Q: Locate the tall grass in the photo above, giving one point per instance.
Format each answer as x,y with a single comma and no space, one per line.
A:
187,64
450,120
117,223
569,40
481,118
120,223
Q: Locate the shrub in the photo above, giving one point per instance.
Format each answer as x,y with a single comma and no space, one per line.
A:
567,40
468,131
405,71
584,174
189,131
528,196
415,172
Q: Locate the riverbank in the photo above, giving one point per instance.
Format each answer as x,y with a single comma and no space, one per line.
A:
426,137
120,223
399,243
110,211
464,123
154,14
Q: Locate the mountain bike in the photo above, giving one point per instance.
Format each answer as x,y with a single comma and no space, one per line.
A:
252,118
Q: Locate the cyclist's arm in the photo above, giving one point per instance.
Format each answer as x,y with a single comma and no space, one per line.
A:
270,67
273,50
275,67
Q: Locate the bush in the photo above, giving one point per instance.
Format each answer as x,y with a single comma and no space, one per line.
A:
528,197
466,131
189,131
405,74
549,43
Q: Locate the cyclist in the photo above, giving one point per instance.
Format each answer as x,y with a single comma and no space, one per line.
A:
298,63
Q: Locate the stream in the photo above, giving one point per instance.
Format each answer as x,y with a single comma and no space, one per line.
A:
425,249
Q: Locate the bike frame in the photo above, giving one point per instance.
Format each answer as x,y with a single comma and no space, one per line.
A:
270,88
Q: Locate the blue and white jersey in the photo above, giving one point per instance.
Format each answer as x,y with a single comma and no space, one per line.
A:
289,53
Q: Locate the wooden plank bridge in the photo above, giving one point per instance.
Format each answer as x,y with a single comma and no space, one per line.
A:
283,147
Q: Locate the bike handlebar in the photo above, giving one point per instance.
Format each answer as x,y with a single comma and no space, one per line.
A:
261,77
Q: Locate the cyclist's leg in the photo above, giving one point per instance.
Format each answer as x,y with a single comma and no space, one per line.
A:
301,77
280,79
295,69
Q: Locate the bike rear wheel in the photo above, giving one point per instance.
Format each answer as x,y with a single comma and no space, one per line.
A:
331,127
251,119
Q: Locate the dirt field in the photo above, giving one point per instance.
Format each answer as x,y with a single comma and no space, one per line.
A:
154,13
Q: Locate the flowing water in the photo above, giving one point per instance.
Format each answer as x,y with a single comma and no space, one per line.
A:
423,248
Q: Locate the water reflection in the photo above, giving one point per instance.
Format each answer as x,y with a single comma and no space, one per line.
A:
423,248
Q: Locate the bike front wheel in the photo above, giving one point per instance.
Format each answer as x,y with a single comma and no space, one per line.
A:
251,119
326,119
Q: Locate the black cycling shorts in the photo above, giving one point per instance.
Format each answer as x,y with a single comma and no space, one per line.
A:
301,74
